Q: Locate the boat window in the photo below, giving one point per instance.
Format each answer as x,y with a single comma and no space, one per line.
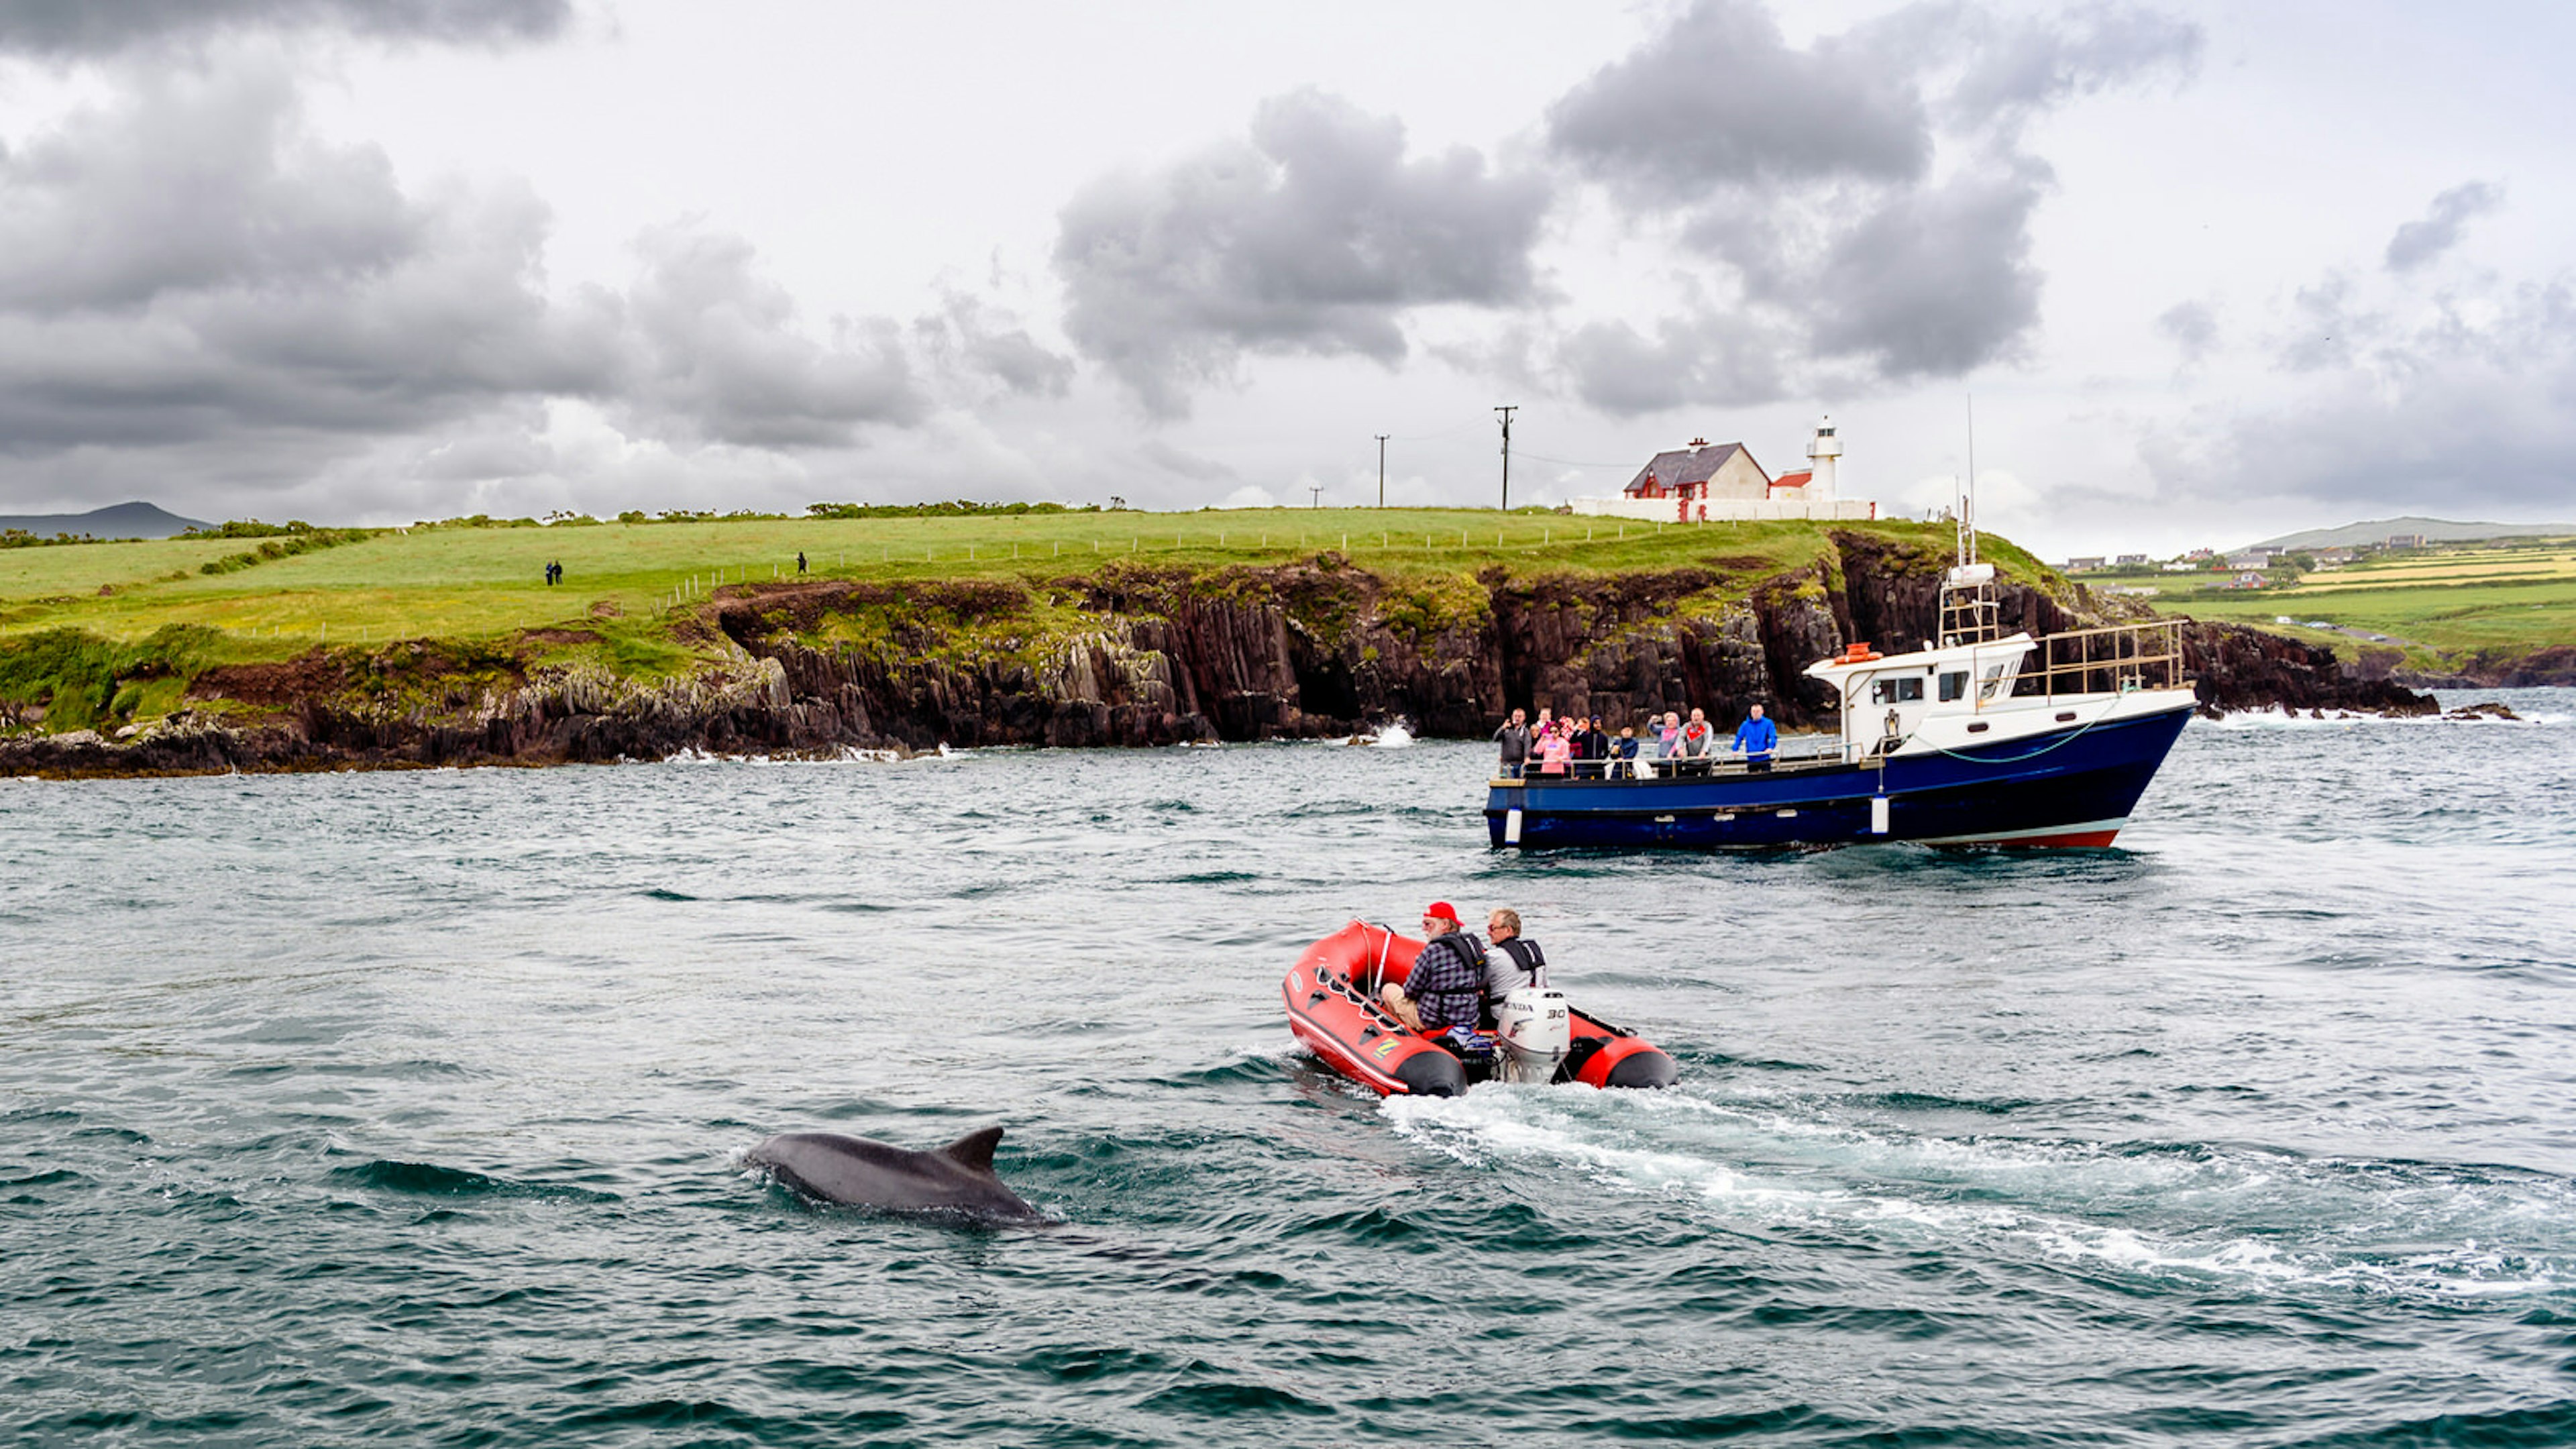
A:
1954,686
1895,691
1993,677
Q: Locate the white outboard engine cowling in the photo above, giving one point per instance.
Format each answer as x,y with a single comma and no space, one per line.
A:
1536,1028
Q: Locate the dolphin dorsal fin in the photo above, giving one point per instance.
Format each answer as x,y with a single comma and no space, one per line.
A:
974,1150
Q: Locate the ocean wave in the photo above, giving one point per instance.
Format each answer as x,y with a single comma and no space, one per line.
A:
430,1179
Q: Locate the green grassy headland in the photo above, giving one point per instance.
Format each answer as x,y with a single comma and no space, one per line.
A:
97,614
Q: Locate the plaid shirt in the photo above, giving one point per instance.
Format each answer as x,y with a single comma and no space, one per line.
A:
1447,982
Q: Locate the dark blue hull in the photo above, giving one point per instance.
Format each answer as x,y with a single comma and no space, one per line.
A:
2066,788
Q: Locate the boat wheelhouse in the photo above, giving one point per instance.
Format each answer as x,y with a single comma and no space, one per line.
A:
1974,739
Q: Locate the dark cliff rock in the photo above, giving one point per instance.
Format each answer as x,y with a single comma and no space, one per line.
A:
1143,656
2236,668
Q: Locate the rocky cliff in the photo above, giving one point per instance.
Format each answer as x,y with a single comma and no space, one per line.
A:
1144,656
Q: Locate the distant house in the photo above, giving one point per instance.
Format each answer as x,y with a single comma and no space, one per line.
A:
2200,555
2130,561
1704,470
2252,558
2084,563
1721,483
2246,580
2329,557
2405,540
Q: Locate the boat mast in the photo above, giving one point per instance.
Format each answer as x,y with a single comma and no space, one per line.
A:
1967,530
1969,614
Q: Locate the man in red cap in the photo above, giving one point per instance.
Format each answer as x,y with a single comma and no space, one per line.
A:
1445,992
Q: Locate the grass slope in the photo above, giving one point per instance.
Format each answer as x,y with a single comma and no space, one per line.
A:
629,584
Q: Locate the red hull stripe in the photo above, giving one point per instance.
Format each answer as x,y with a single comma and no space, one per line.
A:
2079,834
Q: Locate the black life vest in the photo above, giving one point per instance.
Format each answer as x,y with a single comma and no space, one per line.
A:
1466,948
1526,955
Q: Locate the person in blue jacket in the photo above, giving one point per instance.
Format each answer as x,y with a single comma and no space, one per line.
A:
1755,739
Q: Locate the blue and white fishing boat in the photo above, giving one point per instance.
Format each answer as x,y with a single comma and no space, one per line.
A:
1973,739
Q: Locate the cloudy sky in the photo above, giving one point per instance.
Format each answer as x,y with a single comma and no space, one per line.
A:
2208,271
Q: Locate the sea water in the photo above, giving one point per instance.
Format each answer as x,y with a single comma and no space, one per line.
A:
411,1108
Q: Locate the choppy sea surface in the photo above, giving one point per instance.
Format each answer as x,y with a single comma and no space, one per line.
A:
410,1108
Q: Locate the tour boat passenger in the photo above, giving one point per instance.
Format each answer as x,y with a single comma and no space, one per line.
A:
1756,739
1555,748
1623,754
1514,739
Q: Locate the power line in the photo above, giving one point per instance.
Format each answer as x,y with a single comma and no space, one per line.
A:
1570,463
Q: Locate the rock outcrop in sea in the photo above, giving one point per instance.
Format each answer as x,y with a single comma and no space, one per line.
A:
1152,656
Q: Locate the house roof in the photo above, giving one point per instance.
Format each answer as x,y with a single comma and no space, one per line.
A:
1798,479
1688,465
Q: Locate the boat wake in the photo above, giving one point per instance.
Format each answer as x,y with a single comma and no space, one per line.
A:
2228,1216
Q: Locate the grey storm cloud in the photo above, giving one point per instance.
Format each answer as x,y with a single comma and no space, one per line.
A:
2466,404
1935,281
720,360
1700,359
1314,235
1808,174
92,28
1720,98
2438,230
973,338
2190,326
190,280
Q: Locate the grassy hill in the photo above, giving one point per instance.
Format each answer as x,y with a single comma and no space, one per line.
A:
634,593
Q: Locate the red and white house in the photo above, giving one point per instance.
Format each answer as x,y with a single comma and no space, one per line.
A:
1721,482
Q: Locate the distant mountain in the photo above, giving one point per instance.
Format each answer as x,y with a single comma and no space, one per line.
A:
2435,530
125,520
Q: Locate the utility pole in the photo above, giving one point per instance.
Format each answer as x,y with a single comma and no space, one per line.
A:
1507,453
1381,470
1318,490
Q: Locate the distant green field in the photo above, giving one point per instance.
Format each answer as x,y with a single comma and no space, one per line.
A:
2444,616
2511,600
622,578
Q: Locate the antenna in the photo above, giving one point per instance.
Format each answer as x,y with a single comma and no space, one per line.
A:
1968,503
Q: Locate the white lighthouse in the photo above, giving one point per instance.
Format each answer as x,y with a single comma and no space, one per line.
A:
1823,452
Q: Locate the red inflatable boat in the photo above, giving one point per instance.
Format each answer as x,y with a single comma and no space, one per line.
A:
1332,1007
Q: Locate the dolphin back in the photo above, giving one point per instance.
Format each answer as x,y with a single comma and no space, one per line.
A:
860,1172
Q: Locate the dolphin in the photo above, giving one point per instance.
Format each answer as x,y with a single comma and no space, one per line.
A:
957,1178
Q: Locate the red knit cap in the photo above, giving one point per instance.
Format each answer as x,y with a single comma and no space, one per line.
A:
1443,911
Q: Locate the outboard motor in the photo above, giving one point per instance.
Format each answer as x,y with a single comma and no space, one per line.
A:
1535,1028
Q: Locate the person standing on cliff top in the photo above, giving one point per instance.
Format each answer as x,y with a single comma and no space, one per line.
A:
1514,740
1756,738
800,560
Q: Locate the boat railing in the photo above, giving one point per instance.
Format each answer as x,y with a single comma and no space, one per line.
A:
2114,659
1793,750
